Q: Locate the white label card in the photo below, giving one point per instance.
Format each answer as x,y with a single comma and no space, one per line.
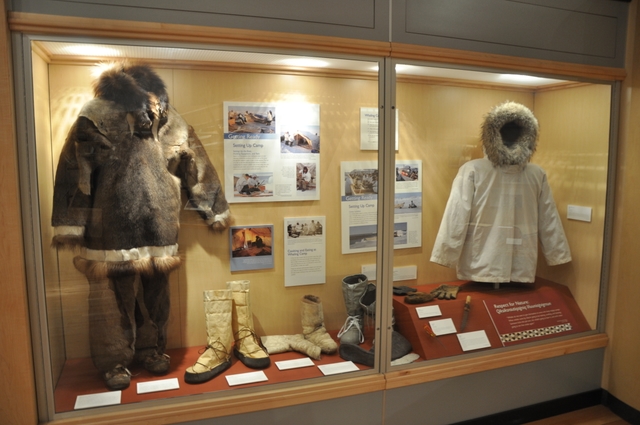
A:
294,364
443,326
473,340
98,400
335,368
158,385
246,378
428,311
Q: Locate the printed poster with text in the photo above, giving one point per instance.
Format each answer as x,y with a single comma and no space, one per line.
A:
535,315
359,206
271,151
304,251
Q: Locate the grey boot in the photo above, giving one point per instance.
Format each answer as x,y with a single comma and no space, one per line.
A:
353,288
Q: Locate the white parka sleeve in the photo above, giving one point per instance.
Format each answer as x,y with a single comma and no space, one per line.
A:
453,228
553,241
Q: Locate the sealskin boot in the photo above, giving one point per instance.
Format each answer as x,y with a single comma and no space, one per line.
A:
313,325
248,347
353,288
216,357
400,347
118,378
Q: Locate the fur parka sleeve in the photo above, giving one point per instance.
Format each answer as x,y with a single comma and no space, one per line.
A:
202,183
71,205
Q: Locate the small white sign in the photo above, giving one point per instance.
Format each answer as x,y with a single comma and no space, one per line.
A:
246,378
336,368
473,340
294,364
158,385
443,326
98,400
428,311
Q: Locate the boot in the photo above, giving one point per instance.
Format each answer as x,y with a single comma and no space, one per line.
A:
283,343
313,325
353,287
368,304
248,347
400,347
216,357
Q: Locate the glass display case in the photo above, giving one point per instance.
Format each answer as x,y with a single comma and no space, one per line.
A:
505,258
256,142
310,191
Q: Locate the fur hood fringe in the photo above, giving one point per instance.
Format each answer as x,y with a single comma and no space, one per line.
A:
509,134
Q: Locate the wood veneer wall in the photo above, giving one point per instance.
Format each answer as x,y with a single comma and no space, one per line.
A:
17,391
622,375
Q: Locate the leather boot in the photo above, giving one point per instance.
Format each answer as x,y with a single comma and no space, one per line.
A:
216,357
313,325
248,347
353,288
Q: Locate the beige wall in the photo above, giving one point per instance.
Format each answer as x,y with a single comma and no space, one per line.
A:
622,374
198,96
439,124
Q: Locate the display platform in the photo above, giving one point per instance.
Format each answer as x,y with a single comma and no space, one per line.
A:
513,313
79,377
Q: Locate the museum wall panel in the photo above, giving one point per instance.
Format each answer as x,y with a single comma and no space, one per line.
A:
533,29
362,19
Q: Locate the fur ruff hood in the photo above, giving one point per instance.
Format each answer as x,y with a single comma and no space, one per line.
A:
509,134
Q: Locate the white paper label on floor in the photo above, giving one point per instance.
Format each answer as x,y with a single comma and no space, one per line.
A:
428,311
336,368
98,400
473,340
294,364
443,326
246,378
159,385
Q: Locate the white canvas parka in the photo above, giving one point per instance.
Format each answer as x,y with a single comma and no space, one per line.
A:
500,206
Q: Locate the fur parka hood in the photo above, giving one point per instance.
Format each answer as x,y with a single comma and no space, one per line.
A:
509,134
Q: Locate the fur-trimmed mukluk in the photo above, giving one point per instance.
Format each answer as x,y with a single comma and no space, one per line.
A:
117,201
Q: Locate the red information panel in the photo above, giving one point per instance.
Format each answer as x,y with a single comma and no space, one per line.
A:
530,315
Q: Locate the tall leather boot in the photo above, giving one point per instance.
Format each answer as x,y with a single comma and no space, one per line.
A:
353,288
313,325
216,357
248,347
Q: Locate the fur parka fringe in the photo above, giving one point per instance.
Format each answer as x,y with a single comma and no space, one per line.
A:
114,269
509,134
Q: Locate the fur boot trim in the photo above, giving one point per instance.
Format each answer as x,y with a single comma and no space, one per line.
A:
509,134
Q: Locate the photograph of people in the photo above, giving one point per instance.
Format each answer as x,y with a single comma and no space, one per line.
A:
361,182
251,119
252,185
305,176
300,140
251,241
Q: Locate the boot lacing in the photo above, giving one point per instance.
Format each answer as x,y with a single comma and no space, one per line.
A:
248,333
352,321
221,353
